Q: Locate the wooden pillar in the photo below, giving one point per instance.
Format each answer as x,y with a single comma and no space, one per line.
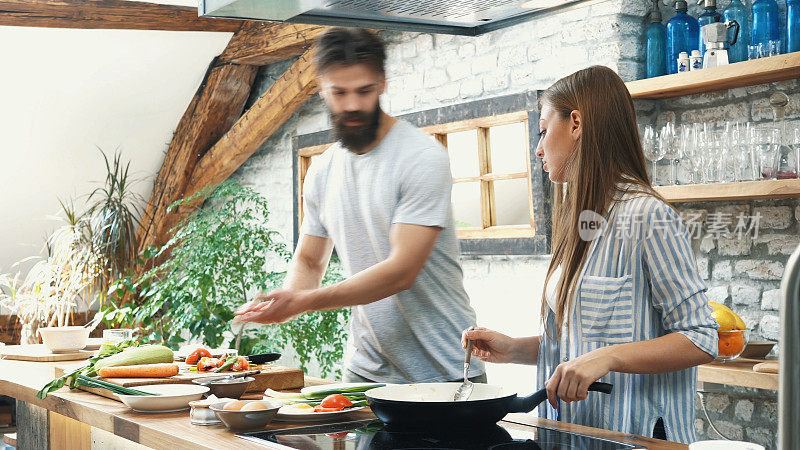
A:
32,425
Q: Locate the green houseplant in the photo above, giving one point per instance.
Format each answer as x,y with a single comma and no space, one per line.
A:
217,259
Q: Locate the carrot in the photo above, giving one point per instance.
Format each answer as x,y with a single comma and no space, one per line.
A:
162,370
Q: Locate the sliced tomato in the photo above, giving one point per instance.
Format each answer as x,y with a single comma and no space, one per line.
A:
336,401
207,364
241,364
320,408
195,356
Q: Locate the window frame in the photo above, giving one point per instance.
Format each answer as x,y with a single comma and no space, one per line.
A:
488,228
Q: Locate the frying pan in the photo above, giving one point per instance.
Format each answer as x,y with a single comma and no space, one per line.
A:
423,405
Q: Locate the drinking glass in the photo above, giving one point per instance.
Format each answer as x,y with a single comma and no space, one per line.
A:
652,149
671,143
774,47
728,159
795,144
766,145
753,52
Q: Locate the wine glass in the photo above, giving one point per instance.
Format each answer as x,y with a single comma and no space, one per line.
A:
692,157
727,153
652,149
671,143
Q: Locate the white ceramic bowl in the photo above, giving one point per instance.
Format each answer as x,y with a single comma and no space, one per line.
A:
246,420
64,339
172,397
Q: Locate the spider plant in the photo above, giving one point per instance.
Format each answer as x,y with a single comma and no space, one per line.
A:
115,215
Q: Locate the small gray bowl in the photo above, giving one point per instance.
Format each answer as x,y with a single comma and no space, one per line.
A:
246,420
232,388
757,349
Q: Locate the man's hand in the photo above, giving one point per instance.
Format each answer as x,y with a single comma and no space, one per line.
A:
273,307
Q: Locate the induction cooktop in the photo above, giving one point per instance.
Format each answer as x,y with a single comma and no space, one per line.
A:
373,435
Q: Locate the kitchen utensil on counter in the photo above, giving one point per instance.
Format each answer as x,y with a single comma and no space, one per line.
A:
463,392
64,339
246,420
263,358
757,349
228,387
171,397
40,353
423,405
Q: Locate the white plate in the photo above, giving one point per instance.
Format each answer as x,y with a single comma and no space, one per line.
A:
326,387
173,397
286,414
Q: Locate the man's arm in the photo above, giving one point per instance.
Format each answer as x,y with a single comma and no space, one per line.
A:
410,247
309,263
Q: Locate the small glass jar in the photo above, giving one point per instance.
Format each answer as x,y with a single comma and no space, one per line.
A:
201,414
113,336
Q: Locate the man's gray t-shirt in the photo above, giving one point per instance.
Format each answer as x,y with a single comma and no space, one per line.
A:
415,335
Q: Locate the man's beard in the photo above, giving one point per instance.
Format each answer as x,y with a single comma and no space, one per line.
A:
356,138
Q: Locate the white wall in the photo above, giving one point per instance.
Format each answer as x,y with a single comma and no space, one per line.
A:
65,92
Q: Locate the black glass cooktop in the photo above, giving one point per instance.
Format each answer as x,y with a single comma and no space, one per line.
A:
373,435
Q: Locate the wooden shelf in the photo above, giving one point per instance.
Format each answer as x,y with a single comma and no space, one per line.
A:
738,372
745,73
745,190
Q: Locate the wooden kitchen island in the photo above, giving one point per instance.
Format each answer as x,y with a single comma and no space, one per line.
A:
64,420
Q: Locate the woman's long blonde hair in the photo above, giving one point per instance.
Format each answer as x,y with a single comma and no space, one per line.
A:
608,152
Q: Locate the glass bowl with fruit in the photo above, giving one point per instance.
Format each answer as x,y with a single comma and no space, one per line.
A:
732,332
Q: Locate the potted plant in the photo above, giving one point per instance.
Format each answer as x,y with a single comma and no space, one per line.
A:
84,256
217,259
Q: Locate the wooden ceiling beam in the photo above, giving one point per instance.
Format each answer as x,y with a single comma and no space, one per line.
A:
216,105
109,14
262,43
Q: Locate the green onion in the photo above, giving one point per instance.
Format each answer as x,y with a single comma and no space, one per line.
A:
117,389
347,391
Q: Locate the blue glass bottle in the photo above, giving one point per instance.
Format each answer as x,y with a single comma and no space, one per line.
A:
793,25
738,12
765,22
656,44
683,32
710,15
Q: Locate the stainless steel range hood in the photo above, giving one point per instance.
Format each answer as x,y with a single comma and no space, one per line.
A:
465,17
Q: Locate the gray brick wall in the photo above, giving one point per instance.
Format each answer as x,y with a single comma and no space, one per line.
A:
429,71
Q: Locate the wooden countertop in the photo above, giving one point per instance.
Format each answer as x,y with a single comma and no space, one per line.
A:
22,380
738,372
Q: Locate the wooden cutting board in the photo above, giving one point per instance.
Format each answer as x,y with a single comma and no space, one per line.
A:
271,376
766,367
40,353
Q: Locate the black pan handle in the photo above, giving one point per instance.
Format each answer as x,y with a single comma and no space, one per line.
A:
526,404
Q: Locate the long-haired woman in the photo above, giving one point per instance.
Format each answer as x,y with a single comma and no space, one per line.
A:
623,301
